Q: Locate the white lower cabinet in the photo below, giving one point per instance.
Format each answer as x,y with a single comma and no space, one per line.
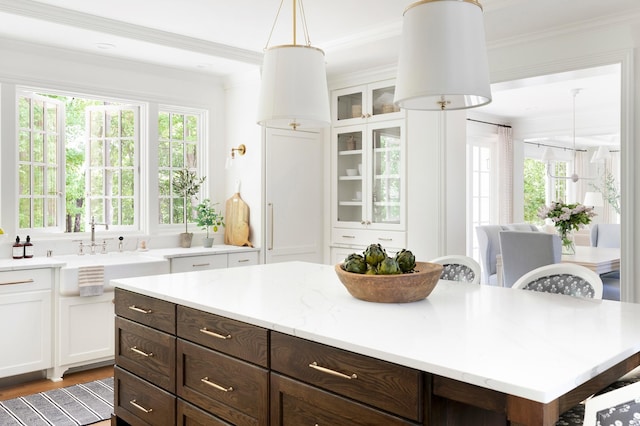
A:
25,315
88,335
198,263
213,261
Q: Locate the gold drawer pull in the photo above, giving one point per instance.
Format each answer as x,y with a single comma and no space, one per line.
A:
142,311
214,334
140,407
206,381
139,352
348,236
315,366
30,280
385,239
200,265
243,260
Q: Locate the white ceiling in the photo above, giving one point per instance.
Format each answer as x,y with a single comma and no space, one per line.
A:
227,37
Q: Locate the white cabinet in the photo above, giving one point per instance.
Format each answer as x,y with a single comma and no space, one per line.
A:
366,103
242,259
213,261
87,332
368,169
25,315
198,263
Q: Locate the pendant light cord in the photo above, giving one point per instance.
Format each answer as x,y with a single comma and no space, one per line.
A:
305,29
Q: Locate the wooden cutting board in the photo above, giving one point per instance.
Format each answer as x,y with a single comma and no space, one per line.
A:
236,230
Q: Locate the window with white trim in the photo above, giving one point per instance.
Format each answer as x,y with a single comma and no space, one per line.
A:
179,140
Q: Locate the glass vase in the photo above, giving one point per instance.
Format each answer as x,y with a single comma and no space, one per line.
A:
568,242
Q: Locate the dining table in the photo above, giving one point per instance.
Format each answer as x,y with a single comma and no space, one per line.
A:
600,260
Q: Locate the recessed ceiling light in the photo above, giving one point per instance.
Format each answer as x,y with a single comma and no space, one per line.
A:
105,46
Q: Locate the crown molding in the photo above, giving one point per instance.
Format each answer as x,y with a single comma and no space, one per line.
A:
61,16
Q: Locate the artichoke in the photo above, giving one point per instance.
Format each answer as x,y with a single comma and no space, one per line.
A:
389,266
406,261
355,263
374,254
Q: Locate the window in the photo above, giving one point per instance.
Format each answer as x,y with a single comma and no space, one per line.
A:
111,177
541,189
78,158
39,136
179,142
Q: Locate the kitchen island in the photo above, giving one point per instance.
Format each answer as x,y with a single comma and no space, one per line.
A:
500,354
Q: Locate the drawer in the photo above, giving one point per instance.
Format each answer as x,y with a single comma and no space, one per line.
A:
364,237
236,338
233,390
190,415
26,280
242,259
382,384
296,403
198,263
138,402
146,352
146,310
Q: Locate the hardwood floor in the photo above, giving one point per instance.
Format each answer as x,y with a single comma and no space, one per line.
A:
42,385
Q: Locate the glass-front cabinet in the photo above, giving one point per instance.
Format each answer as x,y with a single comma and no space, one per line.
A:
369,176
365,103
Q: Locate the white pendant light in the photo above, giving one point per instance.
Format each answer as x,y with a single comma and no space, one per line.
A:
443,60
294,92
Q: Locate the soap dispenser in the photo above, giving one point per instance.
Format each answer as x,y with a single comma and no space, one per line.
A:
18,249
28,248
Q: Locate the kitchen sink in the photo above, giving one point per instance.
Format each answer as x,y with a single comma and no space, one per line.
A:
116,265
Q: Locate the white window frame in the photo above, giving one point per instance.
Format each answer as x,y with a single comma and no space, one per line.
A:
200,164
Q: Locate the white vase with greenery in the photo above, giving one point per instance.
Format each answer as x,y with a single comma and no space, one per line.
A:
208,218
186,184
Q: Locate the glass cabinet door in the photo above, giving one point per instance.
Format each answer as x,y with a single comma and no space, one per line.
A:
386,175
382,100
350,184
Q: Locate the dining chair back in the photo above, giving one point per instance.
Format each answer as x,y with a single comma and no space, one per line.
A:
489,247
525,251
459,268
562,278
605,235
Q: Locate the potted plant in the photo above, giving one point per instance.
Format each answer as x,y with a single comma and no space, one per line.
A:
207,217
186,184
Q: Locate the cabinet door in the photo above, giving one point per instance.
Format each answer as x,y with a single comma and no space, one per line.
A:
349,166
86,329
364,104
385,173
26,332
295,196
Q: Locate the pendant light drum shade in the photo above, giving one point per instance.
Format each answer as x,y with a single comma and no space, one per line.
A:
294,92
443,60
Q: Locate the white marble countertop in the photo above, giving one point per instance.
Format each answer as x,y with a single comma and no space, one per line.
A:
533,345
197,251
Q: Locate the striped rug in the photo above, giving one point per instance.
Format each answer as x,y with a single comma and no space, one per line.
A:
77,405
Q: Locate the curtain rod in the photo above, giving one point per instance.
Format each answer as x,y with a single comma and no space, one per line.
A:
491,124
555,146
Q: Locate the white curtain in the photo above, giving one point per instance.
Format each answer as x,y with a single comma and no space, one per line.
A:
505,174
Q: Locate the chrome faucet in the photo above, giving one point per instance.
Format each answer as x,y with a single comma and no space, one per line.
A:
93,232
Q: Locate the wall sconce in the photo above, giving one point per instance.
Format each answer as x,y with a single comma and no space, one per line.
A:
241,150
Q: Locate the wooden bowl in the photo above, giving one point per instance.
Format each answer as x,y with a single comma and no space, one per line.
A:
400,288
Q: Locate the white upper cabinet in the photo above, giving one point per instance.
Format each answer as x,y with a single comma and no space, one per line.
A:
366,103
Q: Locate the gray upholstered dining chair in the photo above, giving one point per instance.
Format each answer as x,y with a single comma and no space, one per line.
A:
605,235
525,251
489,247
562,278
459,268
